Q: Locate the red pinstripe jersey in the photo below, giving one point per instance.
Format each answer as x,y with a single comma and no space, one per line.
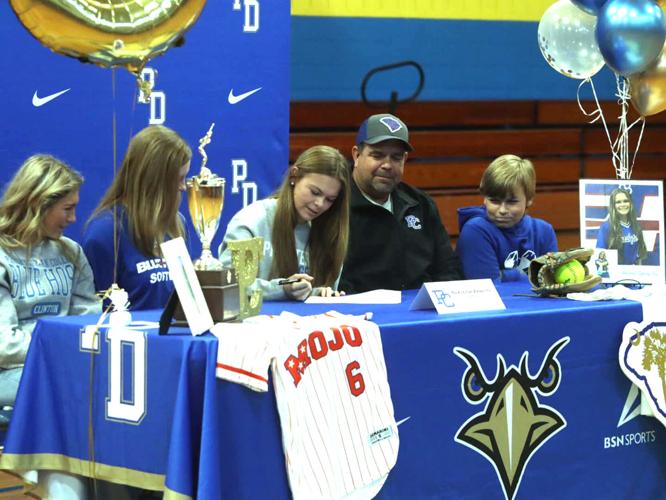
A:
338,429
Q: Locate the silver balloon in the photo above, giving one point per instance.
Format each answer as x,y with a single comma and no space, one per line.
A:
630,34
567,42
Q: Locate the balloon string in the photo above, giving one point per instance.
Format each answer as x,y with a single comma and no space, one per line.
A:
622,141
134,98
115,166
620,146
91,434
638,143
596,115
96,334
625,96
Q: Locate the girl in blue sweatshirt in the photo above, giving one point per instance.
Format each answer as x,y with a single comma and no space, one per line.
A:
498,240
138,213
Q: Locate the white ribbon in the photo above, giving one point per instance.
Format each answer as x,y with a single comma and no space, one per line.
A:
620,146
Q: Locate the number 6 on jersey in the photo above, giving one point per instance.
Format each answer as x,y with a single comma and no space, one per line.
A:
355,380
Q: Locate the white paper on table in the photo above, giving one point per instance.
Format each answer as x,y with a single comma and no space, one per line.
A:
372,297
187,286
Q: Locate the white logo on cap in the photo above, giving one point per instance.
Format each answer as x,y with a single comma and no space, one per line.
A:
391,123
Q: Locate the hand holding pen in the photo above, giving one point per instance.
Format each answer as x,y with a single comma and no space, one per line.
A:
325,291
297,286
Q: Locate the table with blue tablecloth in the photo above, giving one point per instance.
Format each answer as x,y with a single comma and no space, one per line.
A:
547,414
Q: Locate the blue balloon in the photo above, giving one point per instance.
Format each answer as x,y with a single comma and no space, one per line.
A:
590,6
630,34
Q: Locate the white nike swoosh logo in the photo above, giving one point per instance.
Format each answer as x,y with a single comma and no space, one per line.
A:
235,99
403,420
40,101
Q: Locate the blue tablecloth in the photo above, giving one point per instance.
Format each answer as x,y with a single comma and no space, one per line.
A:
205,438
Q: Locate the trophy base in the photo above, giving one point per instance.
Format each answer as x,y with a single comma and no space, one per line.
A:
207,263
220,289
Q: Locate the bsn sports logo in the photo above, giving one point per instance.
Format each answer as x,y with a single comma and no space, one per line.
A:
632,409
513,425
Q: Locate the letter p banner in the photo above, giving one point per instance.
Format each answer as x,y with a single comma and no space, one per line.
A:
239,167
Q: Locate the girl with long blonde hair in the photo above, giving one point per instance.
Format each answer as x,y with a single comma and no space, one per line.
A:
138,213
305,226
42,272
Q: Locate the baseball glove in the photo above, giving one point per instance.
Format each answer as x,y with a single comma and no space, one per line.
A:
541,273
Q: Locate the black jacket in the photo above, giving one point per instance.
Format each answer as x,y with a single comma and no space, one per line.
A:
399,250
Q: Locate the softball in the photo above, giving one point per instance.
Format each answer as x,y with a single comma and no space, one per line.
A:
571,272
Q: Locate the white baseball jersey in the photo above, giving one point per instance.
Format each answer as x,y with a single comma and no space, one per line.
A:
338,429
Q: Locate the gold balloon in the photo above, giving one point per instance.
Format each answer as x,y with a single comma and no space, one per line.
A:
648,88
109,33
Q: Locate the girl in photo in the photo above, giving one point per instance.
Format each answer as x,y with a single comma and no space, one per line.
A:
622,231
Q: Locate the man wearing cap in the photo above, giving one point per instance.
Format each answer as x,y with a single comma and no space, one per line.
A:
397,240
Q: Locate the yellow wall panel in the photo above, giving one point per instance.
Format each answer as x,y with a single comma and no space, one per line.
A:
485,10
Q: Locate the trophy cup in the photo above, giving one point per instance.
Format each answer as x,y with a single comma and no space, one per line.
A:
228,291
205,199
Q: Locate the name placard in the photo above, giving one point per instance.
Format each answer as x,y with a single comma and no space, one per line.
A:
449,297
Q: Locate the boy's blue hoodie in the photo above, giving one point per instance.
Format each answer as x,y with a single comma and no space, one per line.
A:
487,251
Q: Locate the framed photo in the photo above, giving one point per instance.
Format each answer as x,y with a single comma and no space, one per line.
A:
623,220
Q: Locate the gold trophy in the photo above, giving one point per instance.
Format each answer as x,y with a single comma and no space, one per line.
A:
205,199
227,291
245,256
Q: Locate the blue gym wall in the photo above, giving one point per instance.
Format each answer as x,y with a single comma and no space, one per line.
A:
463,60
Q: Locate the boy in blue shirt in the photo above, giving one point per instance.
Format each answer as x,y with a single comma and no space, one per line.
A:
498,240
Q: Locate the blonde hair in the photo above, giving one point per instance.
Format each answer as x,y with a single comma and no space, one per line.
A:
329,233
40,182
504,174
147,187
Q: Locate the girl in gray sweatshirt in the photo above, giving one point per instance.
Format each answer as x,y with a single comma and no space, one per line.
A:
42,273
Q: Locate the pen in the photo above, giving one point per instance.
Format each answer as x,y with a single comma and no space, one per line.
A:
288,282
